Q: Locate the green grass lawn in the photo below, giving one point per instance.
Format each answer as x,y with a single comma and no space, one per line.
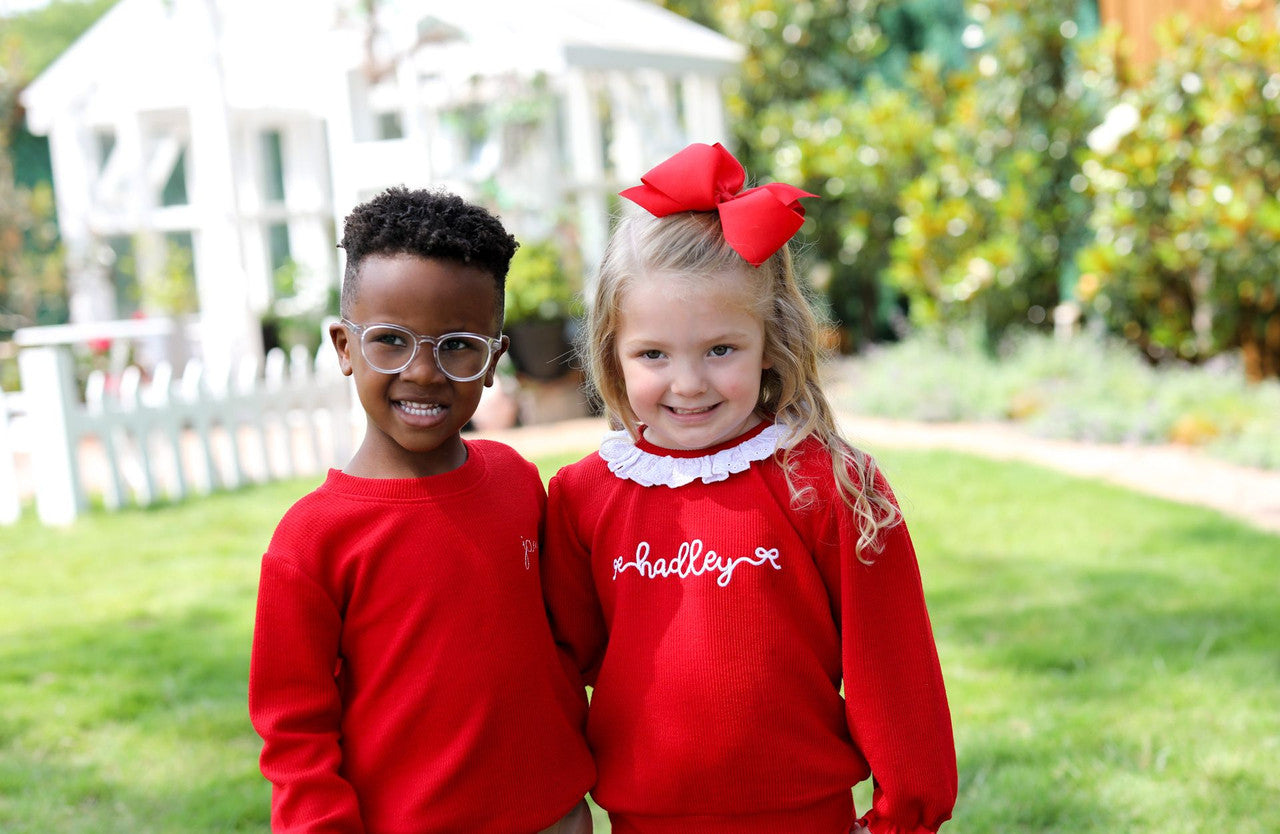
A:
1113,661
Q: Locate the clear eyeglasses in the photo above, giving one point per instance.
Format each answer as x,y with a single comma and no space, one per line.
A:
389,349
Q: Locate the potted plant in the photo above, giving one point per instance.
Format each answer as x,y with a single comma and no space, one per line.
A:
300,311
541,305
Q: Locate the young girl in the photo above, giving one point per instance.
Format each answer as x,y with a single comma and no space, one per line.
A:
726,563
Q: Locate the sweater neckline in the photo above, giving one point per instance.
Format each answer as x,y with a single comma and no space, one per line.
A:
654,449
647,464
429,487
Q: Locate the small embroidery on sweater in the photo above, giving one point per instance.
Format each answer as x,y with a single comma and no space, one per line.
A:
691,561
530,547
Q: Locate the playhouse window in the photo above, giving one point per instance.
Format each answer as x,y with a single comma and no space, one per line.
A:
272,165
174,192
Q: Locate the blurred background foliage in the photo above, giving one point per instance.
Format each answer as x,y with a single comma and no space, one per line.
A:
32,272
1184,180
998,165
1001,164
31,275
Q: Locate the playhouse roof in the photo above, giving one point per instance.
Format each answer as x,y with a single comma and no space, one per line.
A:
141,55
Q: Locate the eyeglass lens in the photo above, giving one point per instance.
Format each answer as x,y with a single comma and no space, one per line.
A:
391,349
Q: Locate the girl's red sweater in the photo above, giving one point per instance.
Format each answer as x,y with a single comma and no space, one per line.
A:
717,623
403,677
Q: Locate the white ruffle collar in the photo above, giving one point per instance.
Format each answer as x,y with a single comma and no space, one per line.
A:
628,461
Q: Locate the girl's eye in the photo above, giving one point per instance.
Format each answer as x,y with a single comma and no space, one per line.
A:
652,354
721,350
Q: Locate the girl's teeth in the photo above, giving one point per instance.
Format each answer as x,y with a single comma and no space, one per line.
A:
691,410
418,410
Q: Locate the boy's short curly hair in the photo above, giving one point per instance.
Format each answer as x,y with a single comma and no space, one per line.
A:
429,224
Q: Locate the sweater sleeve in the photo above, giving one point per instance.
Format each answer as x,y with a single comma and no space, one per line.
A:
573,608
296,706
895,701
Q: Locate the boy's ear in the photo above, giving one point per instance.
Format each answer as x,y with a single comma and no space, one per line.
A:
493,362
341,338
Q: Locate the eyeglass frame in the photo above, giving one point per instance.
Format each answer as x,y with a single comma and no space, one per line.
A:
494,344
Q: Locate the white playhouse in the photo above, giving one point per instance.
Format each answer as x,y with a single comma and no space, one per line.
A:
204,154
205,151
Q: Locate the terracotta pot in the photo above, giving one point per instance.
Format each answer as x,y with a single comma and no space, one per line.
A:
540,349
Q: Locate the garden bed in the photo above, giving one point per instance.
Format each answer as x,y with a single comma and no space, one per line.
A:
1081,389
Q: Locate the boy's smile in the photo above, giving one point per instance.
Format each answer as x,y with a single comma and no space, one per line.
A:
414,417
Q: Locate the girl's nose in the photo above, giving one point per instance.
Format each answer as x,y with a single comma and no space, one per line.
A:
688,380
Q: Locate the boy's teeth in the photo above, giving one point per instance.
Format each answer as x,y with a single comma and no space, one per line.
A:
419,409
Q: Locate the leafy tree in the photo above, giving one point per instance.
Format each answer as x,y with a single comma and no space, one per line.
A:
1185,172
989,229
944,161
857,153
920,27
819,80
31,277
32,282
41,35
964,176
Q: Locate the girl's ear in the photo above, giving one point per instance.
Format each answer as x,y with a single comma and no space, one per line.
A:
341,338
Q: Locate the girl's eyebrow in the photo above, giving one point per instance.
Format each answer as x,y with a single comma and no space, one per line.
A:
664,338
728,336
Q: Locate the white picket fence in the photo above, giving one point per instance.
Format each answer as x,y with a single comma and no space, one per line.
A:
10,496
141,441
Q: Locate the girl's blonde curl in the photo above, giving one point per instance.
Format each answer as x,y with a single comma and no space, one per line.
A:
691,244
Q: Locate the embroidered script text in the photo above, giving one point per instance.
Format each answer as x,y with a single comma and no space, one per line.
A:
691,561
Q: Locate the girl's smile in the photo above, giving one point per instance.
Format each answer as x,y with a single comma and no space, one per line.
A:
684,411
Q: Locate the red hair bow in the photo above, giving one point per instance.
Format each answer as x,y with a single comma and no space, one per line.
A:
756,222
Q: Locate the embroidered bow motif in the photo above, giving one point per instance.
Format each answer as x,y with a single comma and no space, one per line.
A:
756,222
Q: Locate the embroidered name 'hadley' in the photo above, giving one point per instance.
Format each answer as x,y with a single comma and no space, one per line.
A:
691,561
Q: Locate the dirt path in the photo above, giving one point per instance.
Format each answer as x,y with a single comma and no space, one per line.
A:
1174,472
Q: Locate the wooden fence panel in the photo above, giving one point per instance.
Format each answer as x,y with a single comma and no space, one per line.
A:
1138,19
166,438
10,499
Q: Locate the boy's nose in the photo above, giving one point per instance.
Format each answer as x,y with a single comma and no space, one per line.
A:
423,368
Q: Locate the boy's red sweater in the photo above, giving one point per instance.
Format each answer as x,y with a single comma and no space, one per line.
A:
717,623
403,677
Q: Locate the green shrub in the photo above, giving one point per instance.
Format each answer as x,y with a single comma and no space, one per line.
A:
538,286
1185,175
1256,444
944,178
937,376
988,230
1083,389
859,182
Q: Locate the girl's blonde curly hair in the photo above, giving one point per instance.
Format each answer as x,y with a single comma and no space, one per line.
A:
691,244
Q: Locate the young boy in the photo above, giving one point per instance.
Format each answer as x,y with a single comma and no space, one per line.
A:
404,677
